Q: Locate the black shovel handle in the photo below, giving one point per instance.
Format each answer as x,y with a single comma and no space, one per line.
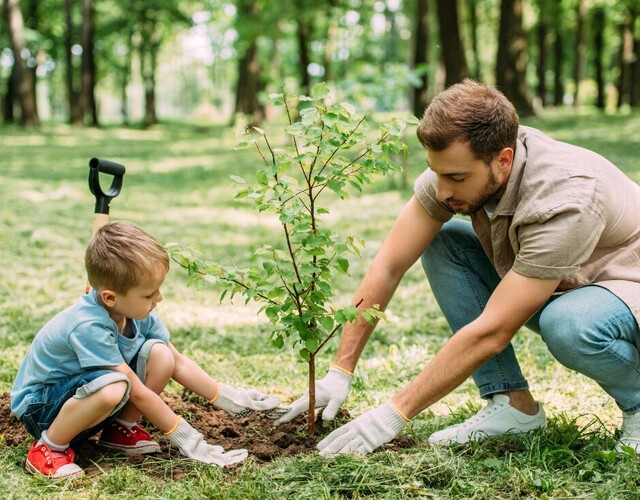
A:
103,200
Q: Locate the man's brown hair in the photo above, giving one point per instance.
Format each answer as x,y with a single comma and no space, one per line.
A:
121,255
470,112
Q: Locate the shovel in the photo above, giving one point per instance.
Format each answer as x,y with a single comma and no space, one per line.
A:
103,199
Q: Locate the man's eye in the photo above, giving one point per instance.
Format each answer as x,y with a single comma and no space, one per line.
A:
457,179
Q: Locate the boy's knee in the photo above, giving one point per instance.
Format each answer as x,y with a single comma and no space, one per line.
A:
161,355
113,394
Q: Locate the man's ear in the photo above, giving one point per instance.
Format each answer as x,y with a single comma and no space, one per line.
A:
505,162
108,297
505,159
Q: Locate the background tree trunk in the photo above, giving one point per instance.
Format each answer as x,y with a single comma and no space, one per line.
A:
472,5
598,55
249,86
73,95
558,53
149,46
420,97
541,70
88,65
249,69
634,73
10,97
303,54
578,69
25,88
625,57
512,57
453,57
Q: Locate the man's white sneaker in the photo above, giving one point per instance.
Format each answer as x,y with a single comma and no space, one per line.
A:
629,432
495,419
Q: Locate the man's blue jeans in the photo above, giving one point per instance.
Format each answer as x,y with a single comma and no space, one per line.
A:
588,330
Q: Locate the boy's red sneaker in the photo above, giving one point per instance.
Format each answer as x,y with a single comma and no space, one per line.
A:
51,463
134,441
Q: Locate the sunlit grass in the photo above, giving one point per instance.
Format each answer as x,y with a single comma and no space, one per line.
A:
177,187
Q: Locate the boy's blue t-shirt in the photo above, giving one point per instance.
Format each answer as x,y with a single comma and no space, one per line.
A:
81,338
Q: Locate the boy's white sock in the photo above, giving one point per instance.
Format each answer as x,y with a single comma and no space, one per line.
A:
44,439
128,425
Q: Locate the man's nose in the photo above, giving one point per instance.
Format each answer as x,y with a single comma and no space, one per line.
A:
443,192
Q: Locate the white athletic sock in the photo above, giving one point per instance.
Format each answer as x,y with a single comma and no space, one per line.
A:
128,425
44,439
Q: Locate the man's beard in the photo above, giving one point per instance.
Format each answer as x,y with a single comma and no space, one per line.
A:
489,192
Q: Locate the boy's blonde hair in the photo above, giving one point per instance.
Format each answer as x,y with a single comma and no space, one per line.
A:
121,255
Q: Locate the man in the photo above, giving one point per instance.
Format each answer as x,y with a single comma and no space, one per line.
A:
553,243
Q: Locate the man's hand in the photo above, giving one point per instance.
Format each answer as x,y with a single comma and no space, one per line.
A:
243,402
192,445
364,434
331,392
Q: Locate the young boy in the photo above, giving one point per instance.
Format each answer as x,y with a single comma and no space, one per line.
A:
100,365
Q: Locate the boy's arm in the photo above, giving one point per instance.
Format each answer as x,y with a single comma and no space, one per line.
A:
235,401
188,440
147,402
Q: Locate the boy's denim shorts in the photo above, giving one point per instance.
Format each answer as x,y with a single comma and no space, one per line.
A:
46,404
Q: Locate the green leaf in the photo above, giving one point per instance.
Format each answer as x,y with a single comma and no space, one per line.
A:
320,91
342,264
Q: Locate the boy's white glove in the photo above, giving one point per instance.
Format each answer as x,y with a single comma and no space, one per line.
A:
192,445
243,402
331,392
364,434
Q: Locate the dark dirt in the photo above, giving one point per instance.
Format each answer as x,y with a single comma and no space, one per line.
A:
256,433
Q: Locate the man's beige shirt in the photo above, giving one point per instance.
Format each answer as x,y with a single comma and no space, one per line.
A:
567,213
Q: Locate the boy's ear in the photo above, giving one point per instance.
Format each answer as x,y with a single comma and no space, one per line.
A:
108,297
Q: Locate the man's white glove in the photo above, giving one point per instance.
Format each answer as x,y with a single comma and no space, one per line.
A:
192,445
331,392
364,434
243,402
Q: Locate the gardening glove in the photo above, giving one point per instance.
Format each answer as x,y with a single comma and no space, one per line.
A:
242,402
366,433
192,445
331,392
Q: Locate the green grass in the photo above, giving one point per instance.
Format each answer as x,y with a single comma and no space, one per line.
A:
177,187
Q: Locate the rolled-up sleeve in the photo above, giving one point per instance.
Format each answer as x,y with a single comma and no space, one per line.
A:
559,243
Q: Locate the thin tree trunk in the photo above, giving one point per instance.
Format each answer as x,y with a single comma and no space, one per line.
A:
24,78
625,57
512,57
10,97
598,55
541,31
634,73
148,48
453,57
330,45
420,52
578,69
558,53
473,22
302,36
88,98
73,96
249,85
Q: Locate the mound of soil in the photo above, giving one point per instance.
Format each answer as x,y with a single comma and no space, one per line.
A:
256,433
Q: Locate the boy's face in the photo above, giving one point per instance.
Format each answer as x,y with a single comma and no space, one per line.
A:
138,302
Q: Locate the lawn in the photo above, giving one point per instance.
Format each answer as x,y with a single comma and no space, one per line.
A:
177,188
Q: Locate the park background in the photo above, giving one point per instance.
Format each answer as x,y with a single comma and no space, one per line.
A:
166,89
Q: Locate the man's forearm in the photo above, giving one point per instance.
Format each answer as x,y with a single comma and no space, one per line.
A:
449,368
376,289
